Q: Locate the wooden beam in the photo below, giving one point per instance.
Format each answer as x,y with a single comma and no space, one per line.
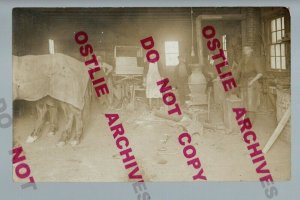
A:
223,17
278,130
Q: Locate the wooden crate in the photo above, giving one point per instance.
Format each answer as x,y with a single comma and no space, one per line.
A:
127,65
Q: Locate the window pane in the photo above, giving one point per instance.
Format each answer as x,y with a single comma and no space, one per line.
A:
224,42
279,38
278,27
272,50
277,50
171,47
273,27
283,63
282,50
172,59
273,66
274,37
51,46
278,65
282,22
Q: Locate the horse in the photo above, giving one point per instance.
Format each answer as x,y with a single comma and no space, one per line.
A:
53,81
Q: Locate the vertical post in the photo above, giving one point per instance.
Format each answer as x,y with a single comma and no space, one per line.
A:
199,39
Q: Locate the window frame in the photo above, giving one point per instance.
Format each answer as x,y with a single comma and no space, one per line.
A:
51,46
268,29
170,53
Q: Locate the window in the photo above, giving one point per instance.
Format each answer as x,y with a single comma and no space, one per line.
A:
277,47
51,46
224,44
172,53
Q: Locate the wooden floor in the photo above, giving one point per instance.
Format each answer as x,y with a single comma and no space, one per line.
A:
224,156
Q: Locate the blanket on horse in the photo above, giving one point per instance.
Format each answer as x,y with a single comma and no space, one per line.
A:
57,75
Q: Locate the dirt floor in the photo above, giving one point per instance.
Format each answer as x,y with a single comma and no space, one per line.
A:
155,145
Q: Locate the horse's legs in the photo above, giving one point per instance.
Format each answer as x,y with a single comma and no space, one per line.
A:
41,112
67,131
53,119
78,127
74,117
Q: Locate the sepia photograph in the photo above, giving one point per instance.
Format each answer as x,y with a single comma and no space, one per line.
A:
152,94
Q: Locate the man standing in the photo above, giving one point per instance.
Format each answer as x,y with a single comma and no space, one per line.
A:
249,72
108,73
